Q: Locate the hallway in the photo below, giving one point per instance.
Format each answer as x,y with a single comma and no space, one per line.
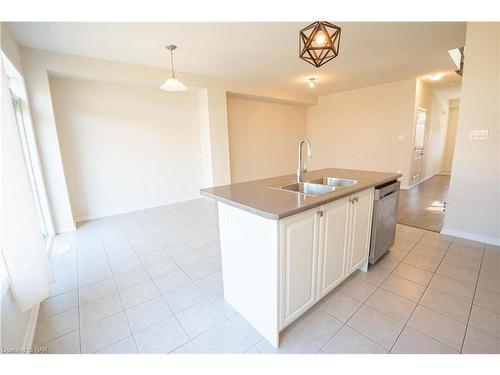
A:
422,205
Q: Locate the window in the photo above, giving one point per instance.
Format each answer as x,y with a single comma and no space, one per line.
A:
420,130
28,159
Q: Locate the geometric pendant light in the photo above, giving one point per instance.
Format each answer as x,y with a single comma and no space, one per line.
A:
319,43
172,84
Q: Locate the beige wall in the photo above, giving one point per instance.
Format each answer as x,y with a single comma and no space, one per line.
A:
435,139
451,134
126,147
38,65
423,100
430,163
360,129
263,137
473,205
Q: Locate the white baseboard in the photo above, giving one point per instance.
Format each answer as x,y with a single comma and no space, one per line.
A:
471,236
426,178
406,187
30,331
100,215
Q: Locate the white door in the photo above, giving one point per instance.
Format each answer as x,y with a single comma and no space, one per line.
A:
332,246
298,255
361,220
418,150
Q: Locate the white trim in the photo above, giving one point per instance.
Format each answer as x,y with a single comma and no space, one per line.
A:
48,244
4,286
471,236
446,172
406,187
426,178
30,331
82,218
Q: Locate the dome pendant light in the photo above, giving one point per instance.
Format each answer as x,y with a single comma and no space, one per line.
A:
172,84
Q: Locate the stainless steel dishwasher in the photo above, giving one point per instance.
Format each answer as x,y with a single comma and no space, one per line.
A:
385,210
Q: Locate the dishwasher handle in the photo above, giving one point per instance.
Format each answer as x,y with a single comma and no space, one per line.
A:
385,190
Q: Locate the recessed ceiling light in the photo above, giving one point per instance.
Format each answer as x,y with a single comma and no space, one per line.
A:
436,76
312,82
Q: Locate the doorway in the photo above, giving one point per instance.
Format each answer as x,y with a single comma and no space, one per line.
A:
423,205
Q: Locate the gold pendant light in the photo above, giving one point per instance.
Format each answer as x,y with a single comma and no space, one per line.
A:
319,43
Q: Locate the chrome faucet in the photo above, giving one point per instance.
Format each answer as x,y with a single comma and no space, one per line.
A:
300,170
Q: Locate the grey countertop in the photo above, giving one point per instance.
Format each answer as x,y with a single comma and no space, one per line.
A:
262,198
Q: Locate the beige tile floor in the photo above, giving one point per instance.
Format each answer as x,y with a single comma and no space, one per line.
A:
150,282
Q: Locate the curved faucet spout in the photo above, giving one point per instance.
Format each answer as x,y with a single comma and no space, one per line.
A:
303,168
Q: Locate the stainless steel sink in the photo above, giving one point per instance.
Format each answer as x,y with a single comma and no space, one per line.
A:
308,188
334,181
318,186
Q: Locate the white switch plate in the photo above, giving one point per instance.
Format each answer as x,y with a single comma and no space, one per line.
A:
402,137
478,134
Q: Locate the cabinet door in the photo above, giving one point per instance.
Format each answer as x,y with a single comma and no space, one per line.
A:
332,246
361,220
298,263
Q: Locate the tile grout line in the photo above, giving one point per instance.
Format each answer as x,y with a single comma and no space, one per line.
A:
207,296
121,300
151,279
418,302
161,294
363,304
119,295
472,303
124,311
228,318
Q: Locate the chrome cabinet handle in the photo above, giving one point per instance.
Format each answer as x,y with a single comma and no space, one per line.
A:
320,213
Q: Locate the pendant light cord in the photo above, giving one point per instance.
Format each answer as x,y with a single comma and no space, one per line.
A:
172,62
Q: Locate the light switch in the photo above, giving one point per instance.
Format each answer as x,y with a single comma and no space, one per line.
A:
401,137
478,134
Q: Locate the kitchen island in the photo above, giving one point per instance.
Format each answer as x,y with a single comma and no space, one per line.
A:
283,250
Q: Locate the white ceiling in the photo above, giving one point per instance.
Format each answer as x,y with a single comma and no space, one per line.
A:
260,53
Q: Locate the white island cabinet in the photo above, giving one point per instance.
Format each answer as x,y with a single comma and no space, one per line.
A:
275,270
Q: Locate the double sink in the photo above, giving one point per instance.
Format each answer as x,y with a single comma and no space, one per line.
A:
318,186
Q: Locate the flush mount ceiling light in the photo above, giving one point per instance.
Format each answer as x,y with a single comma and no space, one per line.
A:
312,82
436,76
172,84
319,43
